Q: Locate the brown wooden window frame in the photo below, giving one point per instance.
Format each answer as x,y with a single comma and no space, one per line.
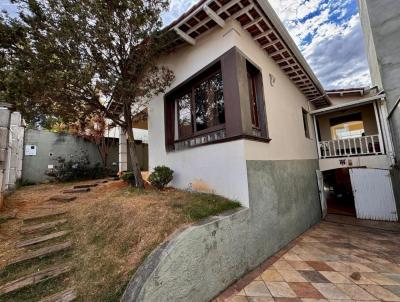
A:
233,66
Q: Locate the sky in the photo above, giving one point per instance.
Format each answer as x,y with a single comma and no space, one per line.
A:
328,33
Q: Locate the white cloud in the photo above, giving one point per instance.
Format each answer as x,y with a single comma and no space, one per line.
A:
332,43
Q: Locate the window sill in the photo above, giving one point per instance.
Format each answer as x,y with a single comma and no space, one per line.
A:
219,141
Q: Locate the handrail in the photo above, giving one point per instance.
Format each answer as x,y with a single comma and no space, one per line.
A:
353,146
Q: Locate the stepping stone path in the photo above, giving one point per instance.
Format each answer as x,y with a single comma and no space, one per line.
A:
8,216
80,190
64,296
42,226
53,221
62,198
41,239
86,186
50,250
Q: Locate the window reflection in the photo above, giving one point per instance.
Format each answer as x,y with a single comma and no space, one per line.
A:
184,115
209,103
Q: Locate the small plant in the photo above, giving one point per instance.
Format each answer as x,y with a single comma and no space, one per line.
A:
129,177
77,169
161,176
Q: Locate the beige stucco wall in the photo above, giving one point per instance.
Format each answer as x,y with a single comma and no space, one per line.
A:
367,113
370,45
221,168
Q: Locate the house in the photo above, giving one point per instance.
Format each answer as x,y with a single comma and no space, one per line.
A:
247,118
353,133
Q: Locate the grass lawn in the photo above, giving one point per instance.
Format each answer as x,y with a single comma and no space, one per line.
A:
113,229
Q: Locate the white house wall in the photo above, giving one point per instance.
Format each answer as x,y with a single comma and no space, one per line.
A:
221,168
218,168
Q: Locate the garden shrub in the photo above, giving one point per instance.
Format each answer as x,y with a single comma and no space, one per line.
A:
129,177
161,176
79,169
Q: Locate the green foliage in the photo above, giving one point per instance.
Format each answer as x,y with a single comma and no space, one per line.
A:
79,169
65,58
129,177
161,176
62,58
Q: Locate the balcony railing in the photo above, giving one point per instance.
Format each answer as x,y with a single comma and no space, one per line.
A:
358,146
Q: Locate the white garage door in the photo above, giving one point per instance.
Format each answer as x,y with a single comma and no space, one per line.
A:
373,194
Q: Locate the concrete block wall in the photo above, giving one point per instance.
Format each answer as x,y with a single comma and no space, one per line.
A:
5,114
11,148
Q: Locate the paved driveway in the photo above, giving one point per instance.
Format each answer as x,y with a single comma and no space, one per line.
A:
330,262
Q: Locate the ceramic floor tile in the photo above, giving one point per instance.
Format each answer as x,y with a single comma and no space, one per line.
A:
380,279
335,277
395,277
395,289
313,300
292,276
314,276
280,290
271,275
330,291
305,290
339,266
282,264
300,266
380,292
319,266
357,278
261,299
355,292
291,257
257,289
287,300
237,299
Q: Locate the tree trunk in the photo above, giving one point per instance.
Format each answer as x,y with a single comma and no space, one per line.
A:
132,148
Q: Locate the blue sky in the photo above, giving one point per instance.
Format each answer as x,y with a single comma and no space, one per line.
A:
328,32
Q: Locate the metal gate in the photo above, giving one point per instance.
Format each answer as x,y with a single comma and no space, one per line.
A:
373,194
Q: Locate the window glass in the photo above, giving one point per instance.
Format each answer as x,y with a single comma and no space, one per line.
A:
347,126
209,103
348,130
252,83
305,124
185,125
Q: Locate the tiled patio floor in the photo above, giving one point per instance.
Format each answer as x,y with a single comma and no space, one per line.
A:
330,262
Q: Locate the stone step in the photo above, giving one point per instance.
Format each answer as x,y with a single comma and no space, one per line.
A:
62,198
45,215
34,278
85,186
81,190
42,226
64,296
7,216
102,182
41,239
40,253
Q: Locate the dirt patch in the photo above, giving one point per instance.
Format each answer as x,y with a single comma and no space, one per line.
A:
113,229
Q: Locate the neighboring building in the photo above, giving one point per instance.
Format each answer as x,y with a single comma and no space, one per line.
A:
380,21
354,133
